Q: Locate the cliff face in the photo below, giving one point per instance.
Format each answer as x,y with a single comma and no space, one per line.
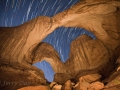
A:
22,44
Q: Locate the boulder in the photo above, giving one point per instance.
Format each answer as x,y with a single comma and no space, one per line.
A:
52,84
57,87
96,86
67,86
91,77
83,85
61,78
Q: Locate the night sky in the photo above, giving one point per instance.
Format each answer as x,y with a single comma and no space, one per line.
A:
17,12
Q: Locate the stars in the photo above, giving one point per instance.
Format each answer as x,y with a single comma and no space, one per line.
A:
29,8
41,1
23,2
19,3
13,1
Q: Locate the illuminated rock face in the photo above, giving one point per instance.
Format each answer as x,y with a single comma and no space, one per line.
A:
89,54
20,40
22,43
97,17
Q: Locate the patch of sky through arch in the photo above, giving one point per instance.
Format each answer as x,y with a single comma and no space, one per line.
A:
47,69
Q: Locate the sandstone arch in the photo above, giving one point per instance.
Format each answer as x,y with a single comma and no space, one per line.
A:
45,51
99,17
96,17
16,47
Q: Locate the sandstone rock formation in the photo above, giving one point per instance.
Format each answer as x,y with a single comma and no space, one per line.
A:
45,51
20,46
102,19
96,16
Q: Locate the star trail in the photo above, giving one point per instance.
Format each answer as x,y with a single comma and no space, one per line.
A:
17,12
